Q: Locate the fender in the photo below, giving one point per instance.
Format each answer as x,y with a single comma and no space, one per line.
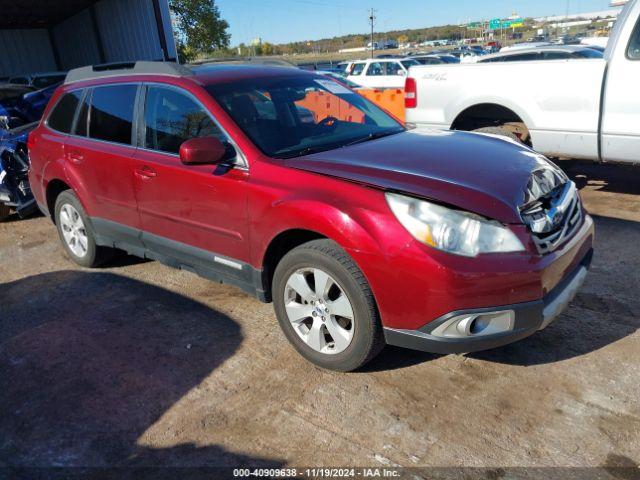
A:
53,169
352,230
461,106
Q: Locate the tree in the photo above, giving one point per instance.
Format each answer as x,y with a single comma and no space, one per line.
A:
267,48
200,28
403,39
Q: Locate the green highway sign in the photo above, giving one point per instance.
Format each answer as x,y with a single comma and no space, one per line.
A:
497,23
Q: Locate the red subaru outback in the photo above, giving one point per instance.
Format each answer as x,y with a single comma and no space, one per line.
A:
299,191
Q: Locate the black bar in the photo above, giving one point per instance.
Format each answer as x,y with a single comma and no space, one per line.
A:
161,33
54,49
96,34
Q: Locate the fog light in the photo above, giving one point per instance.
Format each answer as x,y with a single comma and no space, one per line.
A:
476,324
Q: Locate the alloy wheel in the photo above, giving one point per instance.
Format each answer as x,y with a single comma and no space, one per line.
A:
73,230
319,310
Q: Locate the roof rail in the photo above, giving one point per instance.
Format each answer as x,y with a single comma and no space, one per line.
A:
127,68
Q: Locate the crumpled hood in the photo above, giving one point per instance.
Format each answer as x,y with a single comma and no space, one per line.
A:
484,174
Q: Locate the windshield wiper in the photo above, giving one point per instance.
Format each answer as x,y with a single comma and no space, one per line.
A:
372,136
306,151
317,149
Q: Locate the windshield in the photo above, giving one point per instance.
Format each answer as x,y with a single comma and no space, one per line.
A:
589,53
409,63
292,116
449,59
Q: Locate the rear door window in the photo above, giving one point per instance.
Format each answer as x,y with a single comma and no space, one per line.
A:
357,68
393,68
375,69
111,117
61,118
172,117
633,52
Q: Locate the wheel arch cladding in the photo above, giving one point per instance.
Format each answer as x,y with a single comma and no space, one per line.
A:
54,189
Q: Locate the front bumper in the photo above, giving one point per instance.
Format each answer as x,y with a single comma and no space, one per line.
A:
526,319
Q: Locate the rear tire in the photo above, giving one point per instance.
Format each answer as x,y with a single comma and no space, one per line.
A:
76,232
4,212
349,334
500,131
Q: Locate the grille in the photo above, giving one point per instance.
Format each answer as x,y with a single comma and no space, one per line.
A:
554,218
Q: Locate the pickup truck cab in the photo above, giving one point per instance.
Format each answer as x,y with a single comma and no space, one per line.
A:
381,73
578,108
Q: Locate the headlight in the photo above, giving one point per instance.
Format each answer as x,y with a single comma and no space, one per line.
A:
452,231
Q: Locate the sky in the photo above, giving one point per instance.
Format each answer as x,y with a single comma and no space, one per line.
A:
281,21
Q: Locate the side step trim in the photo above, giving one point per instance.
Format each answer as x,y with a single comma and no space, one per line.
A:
172,253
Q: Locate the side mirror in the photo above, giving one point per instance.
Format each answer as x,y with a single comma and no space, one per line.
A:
202,151
402,73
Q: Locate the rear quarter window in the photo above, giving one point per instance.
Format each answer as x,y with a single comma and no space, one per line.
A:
633,52
111,116
61,117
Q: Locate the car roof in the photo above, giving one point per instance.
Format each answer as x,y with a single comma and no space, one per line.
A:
547,48
212,74
203,74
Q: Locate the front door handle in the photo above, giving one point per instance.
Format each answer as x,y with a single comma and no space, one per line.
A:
145,172
74,156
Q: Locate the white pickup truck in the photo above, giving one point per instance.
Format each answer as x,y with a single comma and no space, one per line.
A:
574,108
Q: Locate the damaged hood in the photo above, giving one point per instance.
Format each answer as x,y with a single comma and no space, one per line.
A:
488,175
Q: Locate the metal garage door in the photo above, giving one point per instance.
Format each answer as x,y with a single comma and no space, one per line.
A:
41,35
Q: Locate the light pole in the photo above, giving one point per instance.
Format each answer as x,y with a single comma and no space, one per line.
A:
372,19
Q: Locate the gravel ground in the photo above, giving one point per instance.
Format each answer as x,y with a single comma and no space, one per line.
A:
137,364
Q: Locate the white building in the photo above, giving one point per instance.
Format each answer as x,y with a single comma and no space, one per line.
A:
604,14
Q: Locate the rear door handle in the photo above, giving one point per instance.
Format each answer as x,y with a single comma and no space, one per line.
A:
74,156
145,172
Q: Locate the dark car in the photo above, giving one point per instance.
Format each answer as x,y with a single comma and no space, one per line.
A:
428,59
435,59
15,192
20,109
362,232
38,80
10,96
31,105
554,52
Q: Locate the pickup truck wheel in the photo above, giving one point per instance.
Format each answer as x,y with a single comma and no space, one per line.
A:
498,131
325,307
76,232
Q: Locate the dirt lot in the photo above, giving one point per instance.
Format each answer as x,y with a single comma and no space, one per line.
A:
137,364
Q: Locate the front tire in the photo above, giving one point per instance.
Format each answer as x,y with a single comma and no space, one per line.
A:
325,307
76,232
